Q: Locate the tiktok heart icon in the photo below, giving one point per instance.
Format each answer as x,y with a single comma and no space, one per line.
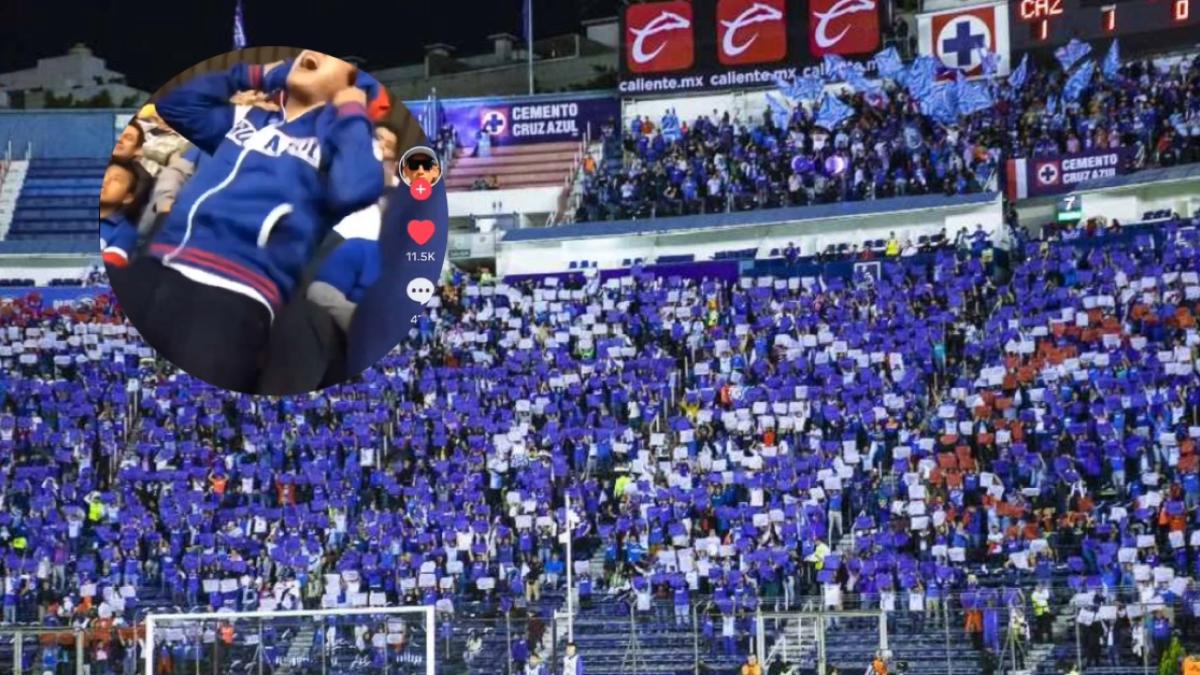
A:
421,231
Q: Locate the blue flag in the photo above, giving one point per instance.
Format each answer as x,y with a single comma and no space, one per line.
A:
239,28
1078,81
432,116
888,63
807,88
1112,61
832,112
780,112
783,86
1070,53
942,104
1179,123
920,77
990,63
972,96
834,68
1052,105
1016,79
859,82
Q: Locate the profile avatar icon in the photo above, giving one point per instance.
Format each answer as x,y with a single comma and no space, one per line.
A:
420,163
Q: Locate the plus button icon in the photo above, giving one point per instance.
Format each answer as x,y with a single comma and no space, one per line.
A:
963,44
421,189
493,123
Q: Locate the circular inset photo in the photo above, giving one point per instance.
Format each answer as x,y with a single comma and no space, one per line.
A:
271,222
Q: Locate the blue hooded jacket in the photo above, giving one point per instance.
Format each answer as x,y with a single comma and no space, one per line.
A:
270,189
118,239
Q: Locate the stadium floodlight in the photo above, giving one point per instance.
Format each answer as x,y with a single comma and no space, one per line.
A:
317,640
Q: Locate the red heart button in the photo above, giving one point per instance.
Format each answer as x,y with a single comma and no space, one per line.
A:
421,231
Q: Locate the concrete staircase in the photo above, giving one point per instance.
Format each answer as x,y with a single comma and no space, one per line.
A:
299,650
11,182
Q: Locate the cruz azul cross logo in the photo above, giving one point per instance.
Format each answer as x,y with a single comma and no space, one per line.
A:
843,27
961,38
1047,174
751,31
493,122
658,36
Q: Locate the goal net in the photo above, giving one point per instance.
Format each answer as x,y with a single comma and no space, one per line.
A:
820,640
387,640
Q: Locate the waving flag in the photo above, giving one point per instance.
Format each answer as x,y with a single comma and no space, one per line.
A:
990,62
1016,79
835,67
942,104
239,28
1179,123
859,82
972,96
920,77
1078,81
1112,61
783,86
808,88
780,112
432,116
888,63
1070,53
832,112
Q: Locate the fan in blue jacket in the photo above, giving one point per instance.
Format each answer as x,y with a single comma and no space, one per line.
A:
118,192
277,182
242,230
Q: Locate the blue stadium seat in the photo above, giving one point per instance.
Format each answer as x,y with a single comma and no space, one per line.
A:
57,203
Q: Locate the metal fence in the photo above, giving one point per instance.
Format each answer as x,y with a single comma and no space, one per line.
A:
932,636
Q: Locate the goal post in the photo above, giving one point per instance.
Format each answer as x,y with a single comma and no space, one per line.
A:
799,636
299,641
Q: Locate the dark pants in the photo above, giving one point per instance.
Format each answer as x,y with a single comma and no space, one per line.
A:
307,351
214,334
1042,625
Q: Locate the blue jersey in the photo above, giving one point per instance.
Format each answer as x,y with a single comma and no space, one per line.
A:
352,268
269,190
118,239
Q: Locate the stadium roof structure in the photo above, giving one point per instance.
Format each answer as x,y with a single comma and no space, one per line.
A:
717,221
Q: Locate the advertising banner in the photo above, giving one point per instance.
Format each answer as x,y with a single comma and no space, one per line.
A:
682,46
1041,176
963,36
520,121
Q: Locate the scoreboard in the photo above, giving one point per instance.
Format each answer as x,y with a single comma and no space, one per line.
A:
1140,24
1069,208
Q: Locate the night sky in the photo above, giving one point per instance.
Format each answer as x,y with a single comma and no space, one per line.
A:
152,41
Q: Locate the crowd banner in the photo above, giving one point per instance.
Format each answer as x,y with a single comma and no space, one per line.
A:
1042,176
685,46
517,121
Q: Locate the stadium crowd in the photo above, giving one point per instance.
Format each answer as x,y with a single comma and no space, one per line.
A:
889,146
882,444
956,434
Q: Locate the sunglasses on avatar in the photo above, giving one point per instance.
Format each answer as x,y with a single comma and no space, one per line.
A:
421,162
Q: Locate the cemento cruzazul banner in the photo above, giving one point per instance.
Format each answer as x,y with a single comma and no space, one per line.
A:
530,120
1041,176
